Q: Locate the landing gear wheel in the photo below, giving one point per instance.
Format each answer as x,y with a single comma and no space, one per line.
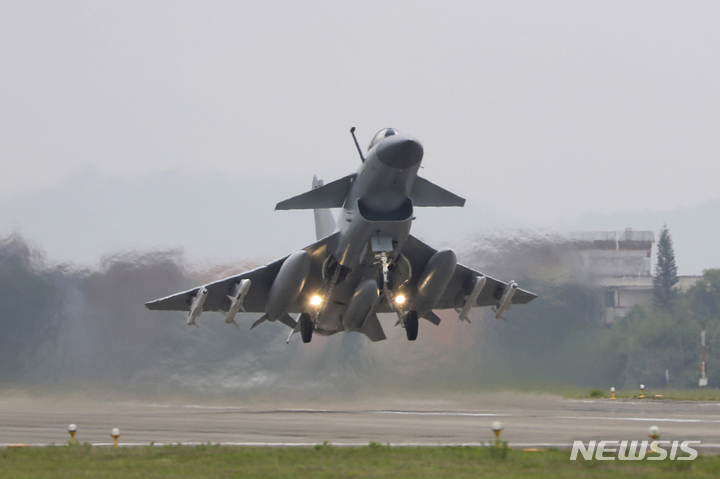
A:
411,325
306,327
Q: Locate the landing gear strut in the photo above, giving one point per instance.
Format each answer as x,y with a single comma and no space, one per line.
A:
409,320
306,327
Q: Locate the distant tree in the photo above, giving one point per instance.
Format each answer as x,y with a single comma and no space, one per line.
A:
29,320
704,296
665,272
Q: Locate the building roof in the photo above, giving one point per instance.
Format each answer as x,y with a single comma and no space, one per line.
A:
628,239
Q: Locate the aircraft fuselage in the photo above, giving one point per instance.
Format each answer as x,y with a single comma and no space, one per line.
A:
378,203
375,220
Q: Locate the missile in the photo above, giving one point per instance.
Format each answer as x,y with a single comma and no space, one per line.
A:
197,306
506,300
478,284
236,301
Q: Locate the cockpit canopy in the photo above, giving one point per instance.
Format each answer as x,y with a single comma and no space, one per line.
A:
384,133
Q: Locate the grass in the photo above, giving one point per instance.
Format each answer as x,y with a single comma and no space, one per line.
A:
575,392
597,393
671,394
374,460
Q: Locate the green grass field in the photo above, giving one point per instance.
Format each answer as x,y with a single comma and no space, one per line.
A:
667,394
574,392
375,461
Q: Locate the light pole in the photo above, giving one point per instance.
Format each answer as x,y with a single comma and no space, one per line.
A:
703,378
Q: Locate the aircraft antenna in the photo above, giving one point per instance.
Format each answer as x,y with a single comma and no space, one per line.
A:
357,145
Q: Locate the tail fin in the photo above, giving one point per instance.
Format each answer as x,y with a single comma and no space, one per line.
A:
324,221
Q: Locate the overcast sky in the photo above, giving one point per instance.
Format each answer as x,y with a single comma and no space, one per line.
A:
176,124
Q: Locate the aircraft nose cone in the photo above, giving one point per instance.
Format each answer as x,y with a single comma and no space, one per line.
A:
400,151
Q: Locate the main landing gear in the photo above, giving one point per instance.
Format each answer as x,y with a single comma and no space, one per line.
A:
306,327
411,325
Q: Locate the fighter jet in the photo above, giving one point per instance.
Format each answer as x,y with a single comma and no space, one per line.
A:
365,261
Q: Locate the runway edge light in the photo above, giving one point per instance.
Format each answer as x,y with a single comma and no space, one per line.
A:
654,433
497,428
115,434
72,429
612,392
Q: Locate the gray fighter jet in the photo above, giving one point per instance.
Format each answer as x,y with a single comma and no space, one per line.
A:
364,263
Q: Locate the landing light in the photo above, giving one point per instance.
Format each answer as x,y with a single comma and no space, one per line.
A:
399,299
316,300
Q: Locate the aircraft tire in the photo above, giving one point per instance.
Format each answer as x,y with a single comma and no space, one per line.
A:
411,325
306,327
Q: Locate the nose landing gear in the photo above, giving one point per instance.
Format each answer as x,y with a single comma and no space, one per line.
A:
409,319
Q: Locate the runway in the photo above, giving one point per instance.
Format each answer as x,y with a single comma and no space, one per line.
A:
528,420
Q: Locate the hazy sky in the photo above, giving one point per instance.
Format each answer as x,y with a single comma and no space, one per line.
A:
181,124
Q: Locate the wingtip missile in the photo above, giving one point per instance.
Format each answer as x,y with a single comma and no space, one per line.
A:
197,306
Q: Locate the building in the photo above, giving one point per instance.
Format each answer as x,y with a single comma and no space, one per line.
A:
620,262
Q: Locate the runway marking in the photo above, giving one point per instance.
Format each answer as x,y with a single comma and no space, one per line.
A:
558,445
337,411
601,418
423,413
189,406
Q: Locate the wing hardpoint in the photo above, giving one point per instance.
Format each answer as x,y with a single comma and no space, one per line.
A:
460,286
261,280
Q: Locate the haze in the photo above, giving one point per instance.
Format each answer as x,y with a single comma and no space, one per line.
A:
155,125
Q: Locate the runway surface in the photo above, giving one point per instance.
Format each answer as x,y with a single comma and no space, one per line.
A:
466,420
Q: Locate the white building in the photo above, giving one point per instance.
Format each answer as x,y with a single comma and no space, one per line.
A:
621,264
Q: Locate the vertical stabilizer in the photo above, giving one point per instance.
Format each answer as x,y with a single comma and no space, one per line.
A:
324,221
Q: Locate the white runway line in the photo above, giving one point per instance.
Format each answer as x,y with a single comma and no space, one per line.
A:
617,401
421,413
336,411
655,419
189,406
514,445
